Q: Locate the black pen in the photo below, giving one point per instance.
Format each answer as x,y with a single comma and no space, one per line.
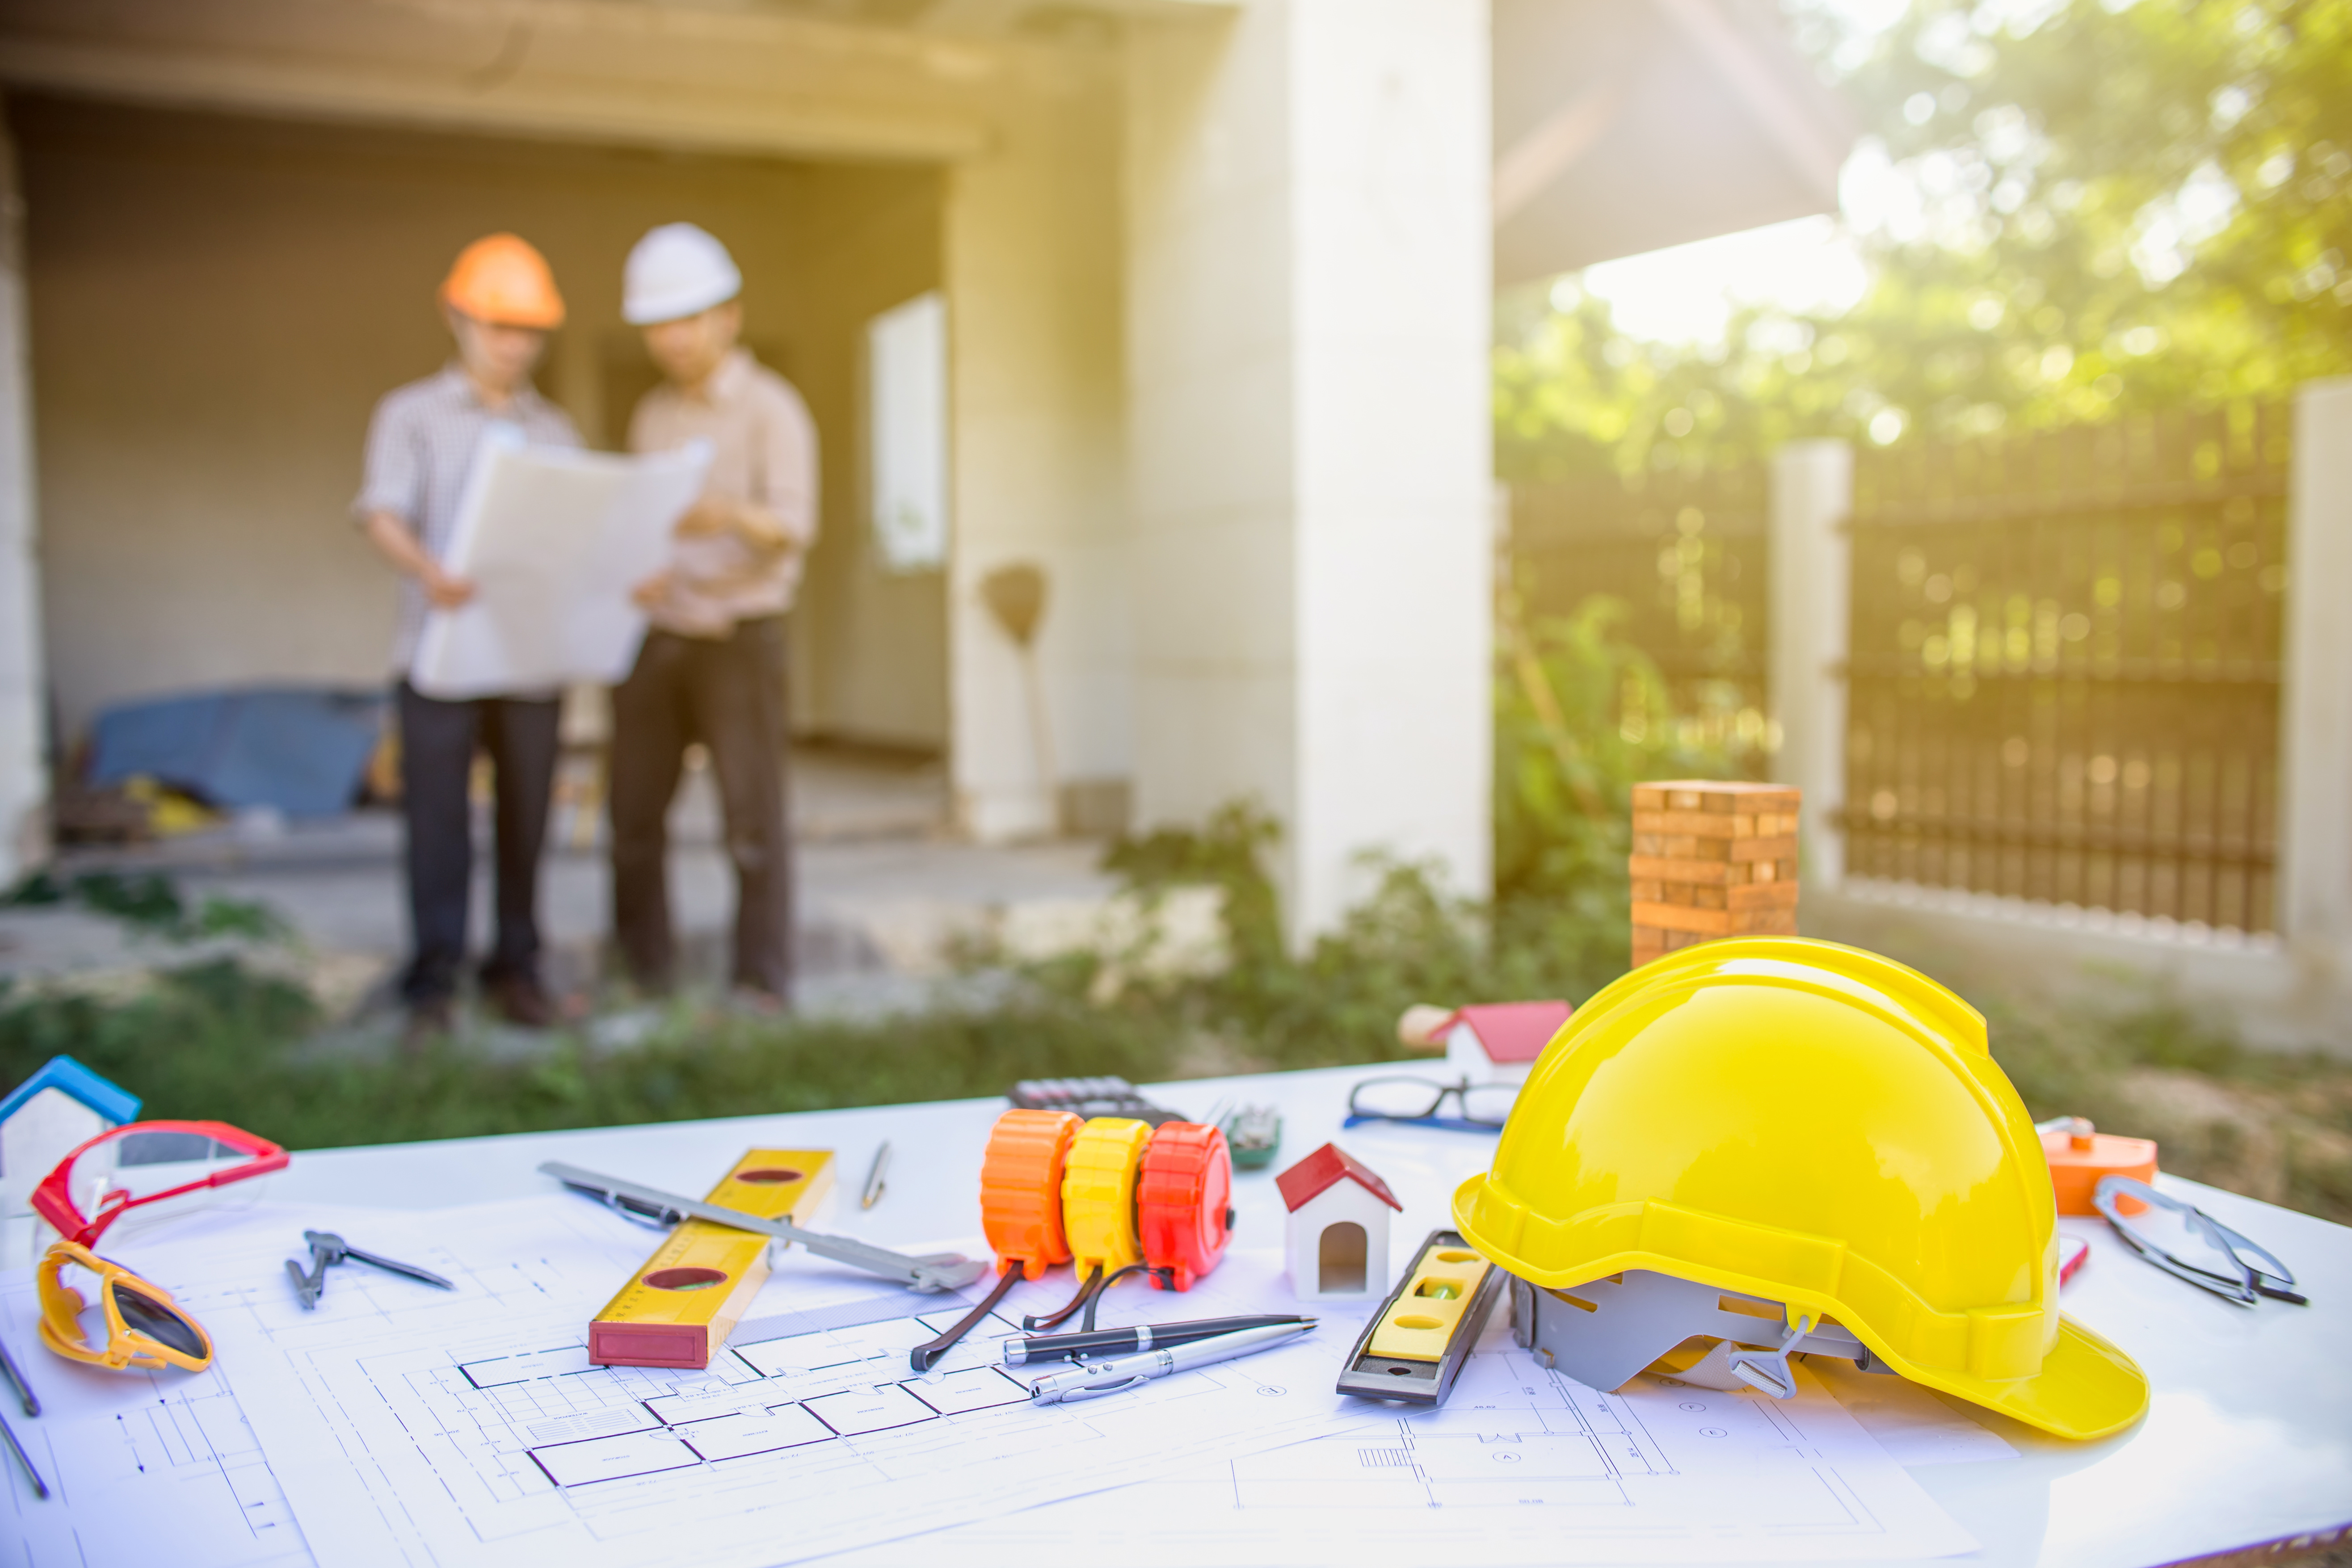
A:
1021,1349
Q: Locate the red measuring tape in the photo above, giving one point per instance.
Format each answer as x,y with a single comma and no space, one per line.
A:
1184,1203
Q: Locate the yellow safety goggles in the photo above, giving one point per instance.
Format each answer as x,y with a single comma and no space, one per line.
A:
145,1329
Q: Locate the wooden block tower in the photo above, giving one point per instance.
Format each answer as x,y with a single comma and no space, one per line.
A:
1712,859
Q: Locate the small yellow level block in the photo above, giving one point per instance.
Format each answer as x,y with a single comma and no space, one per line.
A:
1432,1301
680,1307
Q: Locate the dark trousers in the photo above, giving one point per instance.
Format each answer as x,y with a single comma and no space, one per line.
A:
437,743
729,694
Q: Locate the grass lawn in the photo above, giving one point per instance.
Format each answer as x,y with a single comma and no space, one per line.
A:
222,1040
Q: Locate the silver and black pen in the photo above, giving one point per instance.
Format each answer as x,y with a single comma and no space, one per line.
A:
1021,1349
1093,1379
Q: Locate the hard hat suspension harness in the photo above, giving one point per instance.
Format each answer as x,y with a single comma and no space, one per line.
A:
1604,1332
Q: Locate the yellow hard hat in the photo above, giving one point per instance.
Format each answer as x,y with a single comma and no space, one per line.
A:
1806,1124
502,277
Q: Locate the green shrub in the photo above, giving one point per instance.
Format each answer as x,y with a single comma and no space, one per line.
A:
1580,716
150,904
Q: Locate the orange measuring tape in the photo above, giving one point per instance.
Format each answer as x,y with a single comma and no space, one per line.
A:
1021,1176
1021,1190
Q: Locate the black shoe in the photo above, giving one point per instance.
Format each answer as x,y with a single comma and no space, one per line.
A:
524,1003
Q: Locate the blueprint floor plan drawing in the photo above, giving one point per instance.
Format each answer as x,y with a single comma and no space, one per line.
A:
584,1425
420,1429
400,1427
1522,1465
520,1426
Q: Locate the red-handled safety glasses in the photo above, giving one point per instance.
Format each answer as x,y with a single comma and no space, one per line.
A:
99,1181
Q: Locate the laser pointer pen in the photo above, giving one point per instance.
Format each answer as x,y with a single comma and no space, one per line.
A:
1092,1380
1023,1349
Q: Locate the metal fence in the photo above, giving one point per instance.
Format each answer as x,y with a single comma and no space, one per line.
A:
2064,666
1684,551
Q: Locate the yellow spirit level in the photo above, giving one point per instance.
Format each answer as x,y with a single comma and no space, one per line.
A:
1416,1344
680,1307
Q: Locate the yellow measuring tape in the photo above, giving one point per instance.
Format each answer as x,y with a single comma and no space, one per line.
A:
1098,1193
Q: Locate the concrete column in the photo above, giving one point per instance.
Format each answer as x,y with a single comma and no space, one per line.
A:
1307,316
1812,577
1032,274
2315,894
24,772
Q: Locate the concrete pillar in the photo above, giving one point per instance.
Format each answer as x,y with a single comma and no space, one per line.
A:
1031,272
24,772
2315,888
1813,578
1308,315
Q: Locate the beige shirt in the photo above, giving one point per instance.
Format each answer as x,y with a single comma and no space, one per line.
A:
763,451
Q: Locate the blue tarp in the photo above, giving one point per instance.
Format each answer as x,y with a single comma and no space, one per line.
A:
302,750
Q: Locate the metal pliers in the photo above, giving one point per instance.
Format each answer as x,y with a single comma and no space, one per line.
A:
327,1249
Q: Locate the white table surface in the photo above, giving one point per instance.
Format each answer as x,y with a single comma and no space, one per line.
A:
2248,1439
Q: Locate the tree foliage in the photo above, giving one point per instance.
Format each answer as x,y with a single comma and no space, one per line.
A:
2086,208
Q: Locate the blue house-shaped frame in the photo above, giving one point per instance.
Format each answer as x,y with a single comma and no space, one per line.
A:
70,1078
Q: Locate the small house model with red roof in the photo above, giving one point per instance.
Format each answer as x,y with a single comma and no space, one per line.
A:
1338,1227
1491,1042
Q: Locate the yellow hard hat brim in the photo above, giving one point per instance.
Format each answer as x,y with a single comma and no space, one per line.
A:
2085,1388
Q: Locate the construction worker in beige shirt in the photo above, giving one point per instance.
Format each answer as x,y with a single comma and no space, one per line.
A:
712,666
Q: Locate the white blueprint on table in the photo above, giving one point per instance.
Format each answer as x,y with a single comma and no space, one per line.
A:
143,1467
168,1467
1520,1466
554,540
466,1429
1915,1425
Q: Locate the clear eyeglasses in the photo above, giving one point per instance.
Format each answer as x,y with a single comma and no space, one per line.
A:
143,1171
1483,1106
2190,1244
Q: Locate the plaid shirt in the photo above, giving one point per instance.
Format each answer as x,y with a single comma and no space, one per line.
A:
420,448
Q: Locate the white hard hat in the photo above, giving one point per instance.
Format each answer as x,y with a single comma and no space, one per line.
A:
677,270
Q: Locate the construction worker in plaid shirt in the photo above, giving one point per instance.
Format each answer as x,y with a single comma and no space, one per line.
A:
499,302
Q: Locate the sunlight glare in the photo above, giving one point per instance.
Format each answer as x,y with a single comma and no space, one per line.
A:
1686,293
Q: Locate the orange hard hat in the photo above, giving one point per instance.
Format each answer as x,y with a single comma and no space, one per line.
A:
502,278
